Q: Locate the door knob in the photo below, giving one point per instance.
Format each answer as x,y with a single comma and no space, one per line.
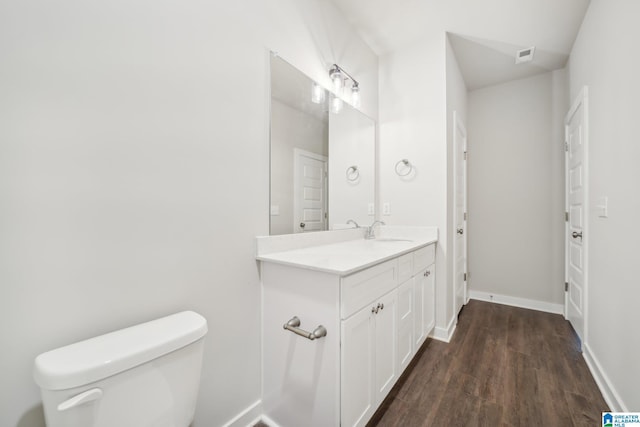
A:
302,224
460,231
575,235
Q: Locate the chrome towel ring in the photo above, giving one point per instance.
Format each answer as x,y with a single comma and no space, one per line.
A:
408,167
353,173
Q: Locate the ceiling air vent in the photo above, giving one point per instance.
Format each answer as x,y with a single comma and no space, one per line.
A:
525,55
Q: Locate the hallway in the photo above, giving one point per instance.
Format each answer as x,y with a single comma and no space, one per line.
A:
505,366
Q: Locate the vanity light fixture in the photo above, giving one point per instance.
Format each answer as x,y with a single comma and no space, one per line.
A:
338,77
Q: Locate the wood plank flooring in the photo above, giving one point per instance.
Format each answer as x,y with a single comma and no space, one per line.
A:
505,366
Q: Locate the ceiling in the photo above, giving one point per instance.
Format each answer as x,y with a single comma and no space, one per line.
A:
485,34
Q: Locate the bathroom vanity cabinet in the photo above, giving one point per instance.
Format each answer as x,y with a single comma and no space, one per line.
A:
376,316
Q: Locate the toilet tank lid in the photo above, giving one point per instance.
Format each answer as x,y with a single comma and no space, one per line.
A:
100,357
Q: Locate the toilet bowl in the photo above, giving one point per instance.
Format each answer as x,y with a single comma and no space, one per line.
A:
146,375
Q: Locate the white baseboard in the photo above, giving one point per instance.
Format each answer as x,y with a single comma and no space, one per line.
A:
606,388
532,304
445,334
248,417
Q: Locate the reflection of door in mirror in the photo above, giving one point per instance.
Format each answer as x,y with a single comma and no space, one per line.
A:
298,125
309,191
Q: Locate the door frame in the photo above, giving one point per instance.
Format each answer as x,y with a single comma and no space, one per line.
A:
458,124
297,153
582,99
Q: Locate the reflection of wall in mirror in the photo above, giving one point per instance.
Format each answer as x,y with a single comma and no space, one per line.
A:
290,128
351,143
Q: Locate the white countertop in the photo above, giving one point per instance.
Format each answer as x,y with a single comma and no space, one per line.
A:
347,257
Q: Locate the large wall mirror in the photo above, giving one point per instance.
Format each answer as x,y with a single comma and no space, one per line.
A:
322,159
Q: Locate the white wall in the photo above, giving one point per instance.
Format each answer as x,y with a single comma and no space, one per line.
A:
291,128
516,186
603,59
123,128
413,126
456,102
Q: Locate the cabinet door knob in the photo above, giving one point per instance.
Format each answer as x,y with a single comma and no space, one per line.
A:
302,225
374,310
460,231
381,306
427,273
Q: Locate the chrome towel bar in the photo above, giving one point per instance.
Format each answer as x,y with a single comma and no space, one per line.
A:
294,322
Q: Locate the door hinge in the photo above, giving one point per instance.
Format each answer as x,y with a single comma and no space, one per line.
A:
566,286
566,146
465,216
465,155
566,216
465,277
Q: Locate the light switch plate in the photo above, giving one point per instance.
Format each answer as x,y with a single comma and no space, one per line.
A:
602,207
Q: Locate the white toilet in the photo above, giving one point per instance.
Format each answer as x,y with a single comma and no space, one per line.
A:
146,375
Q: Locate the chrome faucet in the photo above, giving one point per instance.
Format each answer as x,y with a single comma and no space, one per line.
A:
371,233
353,222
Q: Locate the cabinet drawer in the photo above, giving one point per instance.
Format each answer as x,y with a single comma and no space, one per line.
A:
366,286
423,257
405,267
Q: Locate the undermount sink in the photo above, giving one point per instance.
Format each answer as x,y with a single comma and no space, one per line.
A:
391,239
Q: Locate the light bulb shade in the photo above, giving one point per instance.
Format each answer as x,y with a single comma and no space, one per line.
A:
317,94
355,96
336,79
336,105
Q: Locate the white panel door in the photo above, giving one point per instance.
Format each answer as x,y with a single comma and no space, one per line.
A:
309,192
460,220
576,197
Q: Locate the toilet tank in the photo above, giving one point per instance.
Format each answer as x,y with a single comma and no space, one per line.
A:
145,375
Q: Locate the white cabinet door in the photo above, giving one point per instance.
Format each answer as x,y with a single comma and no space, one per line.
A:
369,354
424,305
405,324
429,302
357,372
419,332
386,344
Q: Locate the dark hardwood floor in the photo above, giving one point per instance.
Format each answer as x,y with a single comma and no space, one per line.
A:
505,366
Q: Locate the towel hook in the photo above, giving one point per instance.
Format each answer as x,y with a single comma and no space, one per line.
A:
407,165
